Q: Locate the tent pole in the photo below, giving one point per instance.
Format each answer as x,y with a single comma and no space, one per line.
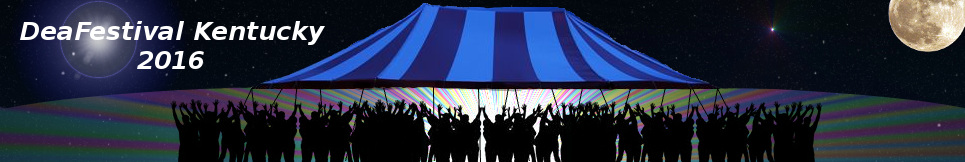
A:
554,98
506,99
276,96
479,142
627,100
580,101
478,100
663,96
250,90
517,98
319,96
386,95
604,97
722,98
698,101
360,96
434,99
296,95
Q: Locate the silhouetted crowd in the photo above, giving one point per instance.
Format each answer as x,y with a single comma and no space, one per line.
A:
582,132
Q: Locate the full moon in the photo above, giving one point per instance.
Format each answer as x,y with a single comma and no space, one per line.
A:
927,25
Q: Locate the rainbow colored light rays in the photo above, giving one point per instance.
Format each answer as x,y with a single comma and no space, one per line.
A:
140,127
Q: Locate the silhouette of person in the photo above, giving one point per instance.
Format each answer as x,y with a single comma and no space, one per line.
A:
546,141
472,134
490,132
341,132
783,135
736,132
568,134
232,138
422,144
654,134
682,131
208,131
523,135
806,139
672,122
187,133
283,131
309,129
759,141
256,131
460,136
630,139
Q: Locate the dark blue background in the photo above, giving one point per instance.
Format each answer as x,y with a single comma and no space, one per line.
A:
824,45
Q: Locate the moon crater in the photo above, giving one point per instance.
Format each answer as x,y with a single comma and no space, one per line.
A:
927,25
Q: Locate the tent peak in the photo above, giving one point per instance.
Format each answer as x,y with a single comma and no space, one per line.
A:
500,9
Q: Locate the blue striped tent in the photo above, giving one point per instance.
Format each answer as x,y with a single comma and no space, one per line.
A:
499,48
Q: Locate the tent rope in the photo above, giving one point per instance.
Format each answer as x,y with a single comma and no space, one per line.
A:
604,97
478,100
296,95
663,96
386,95
517,98
276,96
250,90
580,101
698,100
360,96
554,99
722,98
506,98
627,100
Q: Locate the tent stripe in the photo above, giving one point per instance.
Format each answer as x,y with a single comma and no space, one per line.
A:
327,67
435,63
660,70
412,45
570,50
317,67
474,59
649,70
376,65
544,49
592,52
472,47
359,58
510,47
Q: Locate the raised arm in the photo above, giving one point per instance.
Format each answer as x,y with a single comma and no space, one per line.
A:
195,110
298,108
483,110
693,112
174,105
817,118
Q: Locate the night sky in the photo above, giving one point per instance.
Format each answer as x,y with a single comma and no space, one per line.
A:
817,45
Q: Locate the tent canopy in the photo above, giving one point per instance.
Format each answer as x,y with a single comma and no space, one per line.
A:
500,48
